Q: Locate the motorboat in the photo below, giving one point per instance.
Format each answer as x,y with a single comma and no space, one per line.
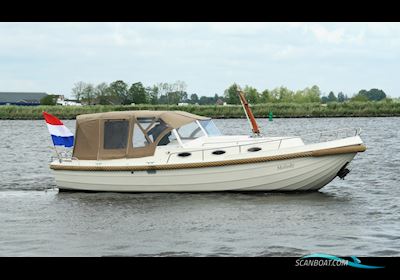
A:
176,151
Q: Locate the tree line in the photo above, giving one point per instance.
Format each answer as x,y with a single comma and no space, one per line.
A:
280,94
120,93
308,95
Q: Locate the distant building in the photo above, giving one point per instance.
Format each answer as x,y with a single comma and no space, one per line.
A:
219,102
183,104
67,102
21,98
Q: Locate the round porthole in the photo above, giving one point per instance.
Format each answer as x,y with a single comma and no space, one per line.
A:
218,152
184,154
254,149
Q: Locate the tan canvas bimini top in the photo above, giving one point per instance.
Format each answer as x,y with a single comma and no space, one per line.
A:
174,119
110,135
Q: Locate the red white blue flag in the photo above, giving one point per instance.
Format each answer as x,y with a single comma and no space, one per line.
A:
60,134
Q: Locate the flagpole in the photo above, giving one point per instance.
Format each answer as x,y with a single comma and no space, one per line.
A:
52,120
58,155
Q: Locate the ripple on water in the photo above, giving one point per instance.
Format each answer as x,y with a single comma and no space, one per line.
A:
385,253
282,251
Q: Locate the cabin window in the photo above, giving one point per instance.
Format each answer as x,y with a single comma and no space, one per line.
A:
148,130
254,149
139,139
145,123
218,152
210,127
184,154
116,134
156,129
190,131
168,138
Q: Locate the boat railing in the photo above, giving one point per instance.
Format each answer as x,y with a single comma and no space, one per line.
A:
329,135
322,136
63,156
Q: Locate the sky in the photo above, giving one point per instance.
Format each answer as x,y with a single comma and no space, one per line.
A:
207,56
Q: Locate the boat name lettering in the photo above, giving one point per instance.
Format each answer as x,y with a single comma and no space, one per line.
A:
285,165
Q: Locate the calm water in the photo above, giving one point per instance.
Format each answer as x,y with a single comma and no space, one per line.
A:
356,216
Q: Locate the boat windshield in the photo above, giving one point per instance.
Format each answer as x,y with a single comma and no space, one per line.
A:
210,127
190,132
149,131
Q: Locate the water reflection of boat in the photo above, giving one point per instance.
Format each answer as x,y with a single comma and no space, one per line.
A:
174,151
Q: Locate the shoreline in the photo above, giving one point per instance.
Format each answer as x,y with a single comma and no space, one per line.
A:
279,110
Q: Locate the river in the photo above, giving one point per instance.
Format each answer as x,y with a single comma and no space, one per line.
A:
356,216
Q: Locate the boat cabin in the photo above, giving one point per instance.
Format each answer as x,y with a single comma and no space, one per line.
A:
134,134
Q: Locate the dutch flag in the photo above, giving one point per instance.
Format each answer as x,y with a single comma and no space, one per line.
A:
60,134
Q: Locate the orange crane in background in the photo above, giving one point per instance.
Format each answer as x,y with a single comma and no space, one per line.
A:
249,113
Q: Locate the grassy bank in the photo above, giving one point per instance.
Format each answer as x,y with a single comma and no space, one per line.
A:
280,110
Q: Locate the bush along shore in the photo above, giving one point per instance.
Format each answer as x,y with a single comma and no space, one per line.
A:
279,110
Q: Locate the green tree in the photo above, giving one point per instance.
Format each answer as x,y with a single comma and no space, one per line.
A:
172,93
179,86
341,97
299,97
50,99
102,94
162,99
315,94
89,94
152,94
312,94
324,99
119,92
251,95
194,98
183,96
206,100
282,94
285,94
231,94
163,89
275,94
78,89
266,97
216,97
377,94
84,92
373,94
332,97
137,94
359,98
176,97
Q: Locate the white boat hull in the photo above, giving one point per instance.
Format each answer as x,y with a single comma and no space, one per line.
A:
297,174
